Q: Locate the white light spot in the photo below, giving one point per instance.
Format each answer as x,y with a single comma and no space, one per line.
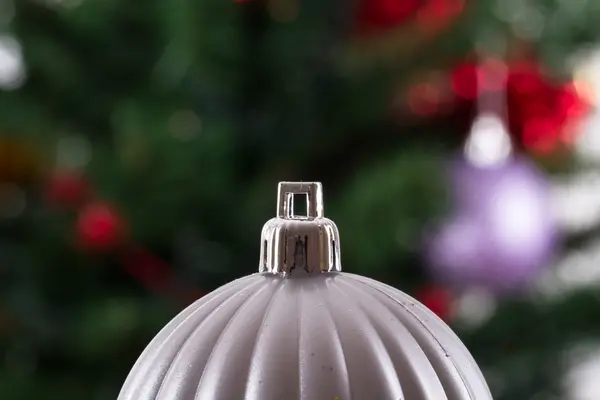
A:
576,203
588,145
581,382
475,308
586,66
12,68
577,270
488,143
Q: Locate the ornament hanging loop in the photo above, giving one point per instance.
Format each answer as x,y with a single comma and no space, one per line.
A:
314,199
299,244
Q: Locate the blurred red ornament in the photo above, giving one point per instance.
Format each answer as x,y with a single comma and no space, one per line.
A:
469,80
465,80
67,188
436,14
375,16
99,227
542,115
438,299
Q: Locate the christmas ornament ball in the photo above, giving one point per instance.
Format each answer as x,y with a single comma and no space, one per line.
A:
501,232
302,329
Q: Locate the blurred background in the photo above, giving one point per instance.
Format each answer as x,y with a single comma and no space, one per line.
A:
141,143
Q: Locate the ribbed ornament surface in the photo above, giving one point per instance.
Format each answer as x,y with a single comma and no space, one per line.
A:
334,336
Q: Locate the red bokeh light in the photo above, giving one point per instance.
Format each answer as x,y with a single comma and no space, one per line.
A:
437,13
375,16
99,227
437,299
424,99
540,134
67,189
465,81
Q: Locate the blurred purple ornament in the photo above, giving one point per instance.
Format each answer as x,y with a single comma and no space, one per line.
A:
501,232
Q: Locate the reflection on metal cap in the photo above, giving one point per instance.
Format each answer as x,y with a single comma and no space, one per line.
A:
292,243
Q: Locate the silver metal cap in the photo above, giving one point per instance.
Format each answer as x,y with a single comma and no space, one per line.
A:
292,243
